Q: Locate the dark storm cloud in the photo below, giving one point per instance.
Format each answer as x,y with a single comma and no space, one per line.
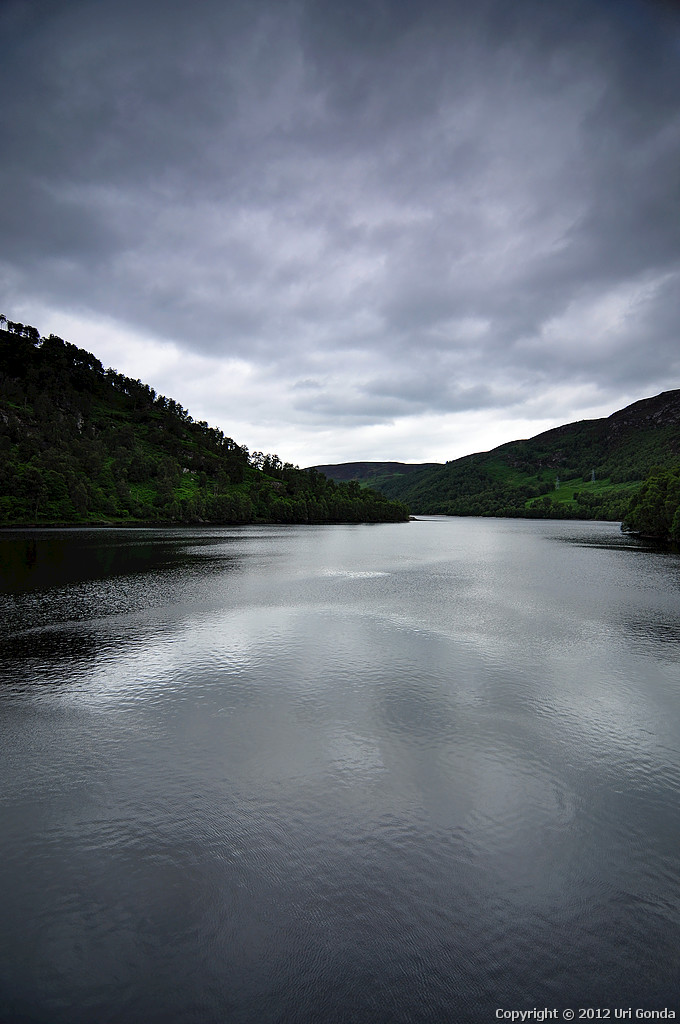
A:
405,208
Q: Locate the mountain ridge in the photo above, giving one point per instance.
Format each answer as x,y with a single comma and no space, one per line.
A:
585,469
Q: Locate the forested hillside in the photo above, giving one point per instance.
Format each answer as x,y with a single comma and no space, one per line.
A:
373,474
585,470
84,444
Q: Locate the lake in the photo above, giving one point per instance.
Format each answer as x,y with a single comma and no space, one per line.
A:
417,772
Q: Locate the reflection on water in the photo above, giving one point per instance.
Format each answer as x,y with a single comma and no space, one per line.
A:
411,772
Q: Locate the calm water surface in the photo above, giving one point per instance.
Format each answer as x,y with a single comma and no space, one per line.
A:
403,773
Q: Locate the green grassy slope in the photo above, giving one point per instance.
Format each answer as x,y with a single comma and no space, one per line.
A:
550,475
81,444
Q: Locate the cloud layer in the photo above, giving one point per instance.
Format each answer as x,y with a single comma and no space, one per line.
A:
351,230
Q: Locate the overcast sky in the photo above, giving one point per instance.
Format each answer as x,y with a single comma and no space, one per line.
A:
382,229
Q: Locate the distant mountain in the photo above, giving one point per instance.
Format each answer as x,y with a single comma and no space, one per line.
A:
584,470
81,444
372,474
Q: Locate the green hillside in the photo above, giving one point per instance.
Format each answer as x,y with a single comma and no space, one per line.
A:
372,474
81,444
584,470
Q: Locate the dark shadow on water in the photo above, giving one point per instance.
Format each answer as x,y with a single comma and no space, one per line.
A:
52,578
620,542
41,559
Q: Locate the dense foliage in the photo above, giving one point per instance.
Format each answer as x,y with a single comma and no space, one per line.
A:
80,443
586,470
654,510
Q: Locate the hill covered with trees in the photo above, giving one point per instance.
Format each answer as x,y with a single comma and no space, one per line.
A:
372,474
84,444
585,470
654,510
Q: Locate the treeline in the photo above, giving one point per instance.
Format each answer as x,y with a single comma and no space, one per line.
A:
80,443
654,511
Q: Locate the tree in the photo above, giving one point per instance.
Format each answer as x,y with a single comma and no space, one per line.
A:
34,487
653,510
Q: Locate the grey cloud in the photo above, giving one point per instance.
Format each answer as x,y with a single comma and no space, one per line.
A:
431,392
417,202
